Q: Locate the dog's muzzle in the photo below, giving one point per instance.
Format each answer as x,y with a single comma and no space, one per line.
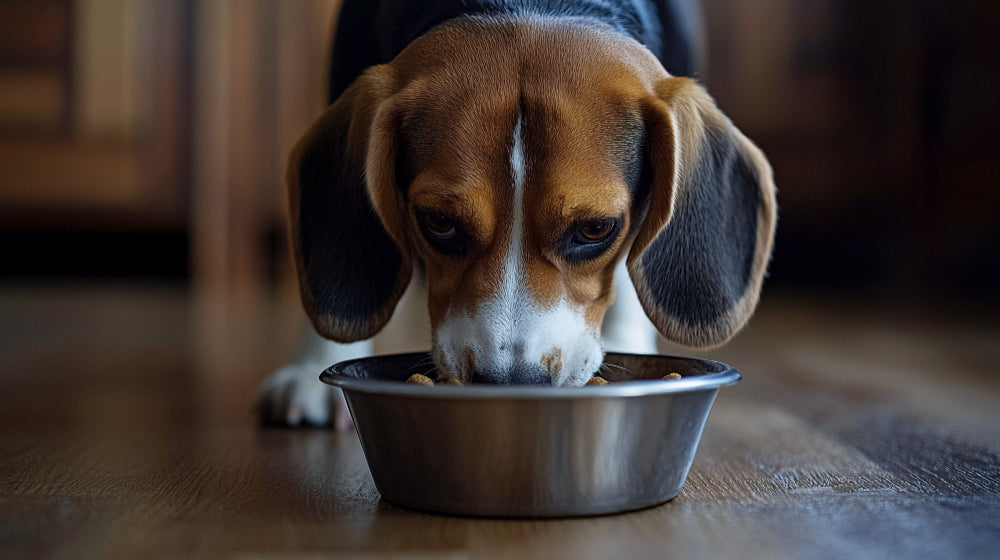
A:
522,373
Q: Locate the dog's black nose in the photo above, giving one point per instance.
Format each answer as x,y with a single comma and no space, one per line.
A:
521,374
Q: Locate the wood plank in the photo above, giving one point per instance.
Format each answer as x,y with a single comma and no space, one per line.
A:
111,75
130,451
32,99
37,174
34,31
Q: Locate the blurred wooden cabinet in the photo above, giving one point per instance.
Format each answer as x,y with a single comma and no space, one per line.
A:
260,81
879,118
177,116
127,117
94,114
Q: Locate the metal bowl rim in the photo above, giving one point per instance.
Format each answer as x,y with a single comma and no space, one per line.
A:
646,387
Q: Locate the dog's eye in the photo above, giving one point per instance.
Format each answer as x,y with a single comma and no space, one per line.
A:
596,231
438,225
444,234
590,239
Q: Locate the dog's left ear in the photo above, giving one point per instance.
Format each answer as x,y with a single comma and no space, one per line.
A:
699,257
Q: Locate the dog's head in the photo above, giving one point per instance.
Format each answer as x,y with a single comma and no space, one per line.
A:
520,163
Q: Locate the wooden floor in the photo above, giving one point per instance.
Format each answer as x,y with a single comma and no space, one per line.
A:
859,431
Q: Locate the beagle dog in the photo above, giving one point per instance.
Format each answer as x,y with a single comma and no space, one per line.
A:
531,159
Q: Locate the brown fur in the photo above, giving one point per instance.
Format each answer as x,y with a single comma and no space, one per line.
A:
679,113
448,105
358,107
461,119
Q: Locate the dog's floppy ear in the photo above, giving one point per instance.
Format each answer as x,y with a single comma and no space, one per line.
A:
699,257
350,246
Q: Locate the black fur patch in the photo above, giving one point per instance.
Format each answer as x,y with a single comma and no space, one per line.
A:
700,265
373,32
636,167
350,263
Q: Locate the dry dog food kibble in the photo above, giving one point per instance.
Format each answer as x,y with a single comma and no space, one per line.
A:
418,379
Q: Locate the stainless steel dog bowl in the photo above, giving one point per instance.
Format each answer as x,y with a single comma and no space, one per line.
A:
530,451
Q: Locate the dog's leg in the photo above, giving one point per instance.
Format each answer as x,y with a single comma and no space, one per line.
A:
626,327
293,395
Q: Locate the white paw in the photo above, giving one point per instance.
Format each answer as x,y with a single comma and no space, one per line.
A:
294,396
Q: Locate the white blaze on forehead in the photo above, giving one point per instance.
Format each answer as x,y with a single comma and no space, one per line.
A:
499,314
510,328
514,265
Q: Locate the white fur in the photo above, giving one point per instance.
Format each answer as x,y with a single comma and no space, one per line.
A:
626,326
294,395
506,329
511,328
526,334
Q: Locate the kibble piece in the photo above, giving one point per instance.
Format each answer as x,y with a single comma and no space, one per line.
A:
419,379
448,380
597,380
671,376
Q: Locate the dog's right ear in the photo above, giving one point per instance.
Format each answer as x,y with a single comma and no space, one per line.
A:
346,228
699,258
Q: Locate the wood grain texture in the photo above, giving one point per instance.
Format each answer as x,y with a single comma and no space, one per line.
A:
126,431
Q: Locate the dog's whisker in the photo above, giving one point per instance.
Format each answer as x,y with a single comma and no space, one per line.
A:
423,368
614,369
616,366
422,363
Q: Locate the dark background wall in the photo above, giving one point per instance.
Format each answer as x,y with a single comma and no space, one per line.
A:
879,117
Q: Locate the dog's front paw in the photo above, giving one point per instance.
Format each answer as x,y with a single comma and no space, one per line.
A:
294,396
